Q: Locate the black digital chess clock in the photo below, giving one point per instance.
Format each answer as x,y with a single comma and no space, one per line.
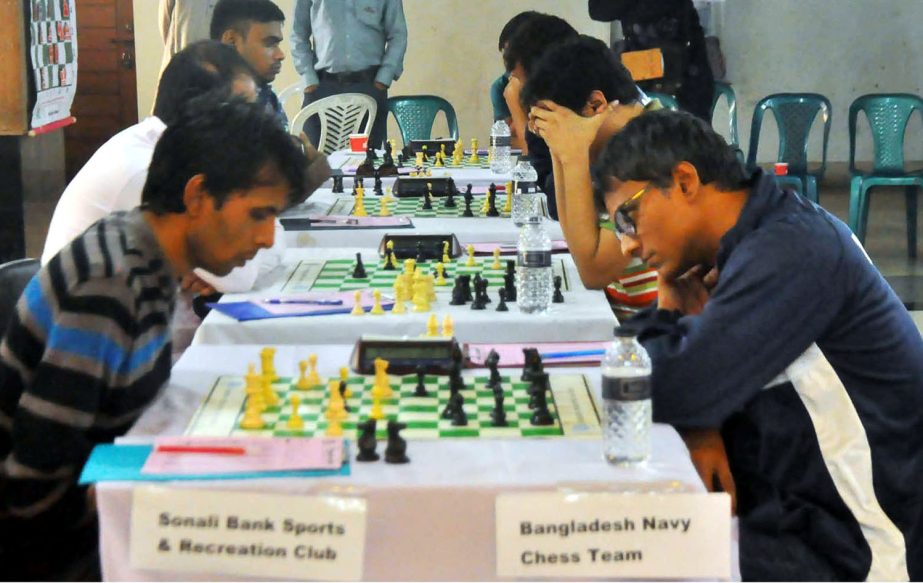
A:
417,186
431,246
404,354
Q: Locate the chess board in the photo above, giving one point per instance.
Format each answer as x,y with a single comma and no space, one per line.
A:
336,274
570,403
413,207
353,162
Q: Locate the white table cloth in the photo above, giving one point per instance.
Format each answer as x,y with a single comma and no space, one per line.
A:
431,519
585,315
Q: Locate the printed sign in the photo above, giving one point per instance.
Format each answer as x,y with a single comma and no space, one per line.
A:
53,49
663,536
249,534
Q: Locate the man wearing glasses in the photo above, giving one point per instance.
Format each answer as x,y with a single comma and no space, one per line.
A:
773,325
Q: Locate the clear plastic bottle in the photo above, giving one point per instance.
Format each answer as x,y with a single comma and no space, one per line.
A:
501,160
533,266
525,193
626,392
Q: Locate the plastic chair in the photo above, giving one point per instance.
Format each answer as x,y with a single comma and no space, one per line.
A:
14,275
340,115
667,101
293,90
727,92
795,114
888,115
415,115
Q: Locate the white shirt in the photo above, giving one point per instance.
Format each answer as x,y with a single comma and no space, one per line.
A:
112,180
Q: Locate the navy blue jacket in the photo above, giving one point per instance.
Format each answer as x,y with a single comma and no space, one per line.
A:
812,368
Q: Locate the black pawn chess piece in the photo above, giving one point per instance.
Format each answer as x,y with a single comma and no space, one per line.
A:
497,414
557,297
478,302
459,417
420,390
509,280
450,199
502,307
421,256
367,442
389,264
493,363
378,191
458,293
484,297
359,269
468,199
492,201
338,183
343,396
396,451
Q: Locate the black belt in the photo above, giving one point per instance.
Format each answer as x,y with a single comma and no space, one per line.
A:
348,77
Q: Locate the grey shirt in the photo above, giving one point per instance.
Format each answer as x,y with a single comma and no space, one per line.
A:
183,22
349,36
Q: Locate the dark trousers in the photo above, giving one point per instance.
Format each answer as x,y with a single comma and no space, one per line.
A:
329,86
48,552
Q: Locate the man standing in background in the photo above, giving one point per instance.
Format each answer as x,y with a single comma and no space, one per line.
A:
183,22
349,47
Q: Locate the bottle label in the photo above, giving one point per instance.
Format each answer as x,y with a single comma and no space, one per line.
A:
627,389
523,186
500,141
535,258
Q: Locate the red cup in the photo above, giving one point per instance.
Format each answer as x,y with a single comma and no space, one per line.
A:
358,142
781,168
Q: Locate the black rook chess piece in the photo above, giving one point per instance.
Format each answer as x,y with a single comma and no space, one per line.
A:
396,450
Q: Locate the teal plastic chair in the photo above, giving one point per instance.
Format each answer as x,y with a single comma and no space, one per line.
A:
888,115
415,115
667,101
724,90
795,115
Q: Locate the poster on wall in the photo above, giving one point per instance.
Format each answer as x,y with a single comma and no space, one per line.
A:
53,47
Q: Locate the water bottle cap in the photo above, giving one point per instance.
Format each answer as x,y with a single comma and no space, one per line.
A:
625,332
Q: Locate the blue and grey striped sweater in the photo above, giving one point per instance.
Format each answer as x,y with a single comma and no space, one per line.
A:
86,352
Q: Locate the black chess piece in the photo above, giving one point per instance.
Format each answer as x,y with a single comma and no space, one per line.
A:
541,415
450,199
370,154
468,199
367,168
532,364
502,307
420,390
425,155
428,198
493,363
458,293
497,414
421,256
378,191
359,269
478,302
459,417
466,288
396,450
338,183
557,297
492,201
484,297
388,266
342,390
367,442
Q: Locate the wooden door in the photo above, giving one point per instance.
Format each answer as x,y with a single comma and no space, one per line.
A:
106,100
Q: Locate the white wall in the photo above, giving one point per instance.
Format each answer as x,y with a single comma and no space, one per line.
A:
452,52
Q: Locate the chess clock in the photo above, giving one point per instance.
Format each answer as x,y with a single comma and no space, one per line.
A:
431,246
404,354
416,186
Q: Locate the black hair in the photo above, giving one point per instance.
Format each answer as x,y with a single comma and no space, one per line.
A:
199,68
568,72
510,27
533,37
238,14
650,146
234,144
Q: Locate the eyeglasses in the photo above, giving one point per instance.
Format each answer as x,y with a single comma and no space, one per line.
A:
624,224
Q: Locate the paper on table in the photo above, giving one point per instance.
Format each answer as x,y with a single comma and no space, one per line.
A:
557,246
292,307
263,454
511,354
319,221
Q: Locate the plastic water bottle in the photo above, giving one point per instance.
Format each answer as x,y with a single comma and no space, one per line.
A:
626,392
525,193
534,285
501,160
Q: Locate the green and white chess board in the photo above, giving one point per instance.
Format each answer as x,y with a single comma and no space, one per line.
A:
336,274
413,207
570,403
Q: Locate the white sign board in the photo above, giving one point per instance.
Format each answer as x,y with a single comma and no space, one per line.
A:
242,533
614,535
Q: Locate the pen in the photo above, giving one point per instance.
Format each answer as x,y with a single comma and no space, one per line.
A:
573,353
219,450
304,302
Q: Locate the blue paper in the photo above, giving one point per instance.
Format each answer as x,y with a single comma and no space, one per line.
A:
244,311
122,463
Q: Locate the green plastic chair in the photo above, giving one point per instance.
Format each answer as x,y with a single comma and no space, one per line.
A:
795,115
727,92
888,115
415,115
667,101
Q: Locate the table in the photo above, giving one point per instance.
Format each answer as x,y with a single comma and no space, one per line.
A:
585,315
440,506
468,230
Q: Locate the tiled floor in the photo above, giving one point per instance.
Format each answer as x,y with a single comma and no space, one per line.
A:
886,241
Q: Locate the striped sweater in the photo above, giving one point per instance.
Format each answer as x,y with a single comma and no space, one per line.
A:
86,352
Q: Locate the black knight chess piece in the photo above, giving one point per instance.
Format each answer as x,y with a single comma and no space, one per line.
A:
367,442
396,450
367,168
